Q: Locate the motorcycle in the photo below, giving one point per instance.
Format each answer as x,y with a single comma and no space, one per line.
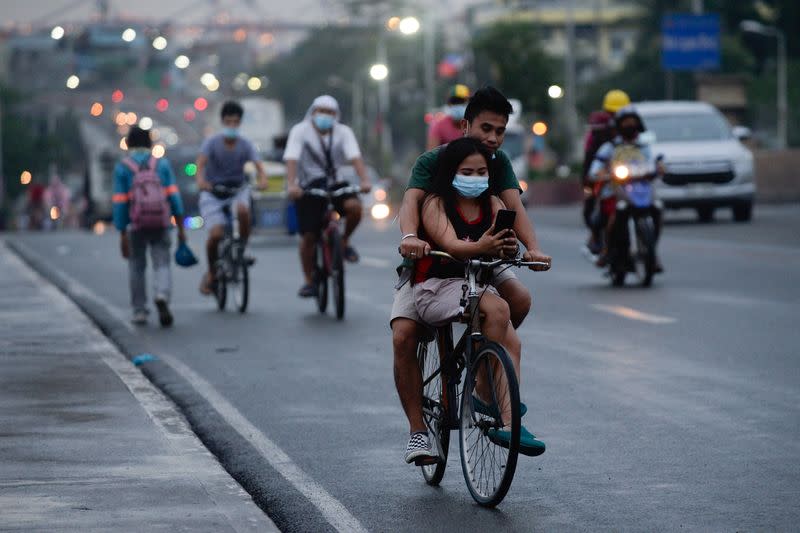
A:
632,240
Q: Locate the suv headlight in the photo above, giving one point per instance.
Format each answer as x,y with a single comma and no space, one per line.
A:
743,167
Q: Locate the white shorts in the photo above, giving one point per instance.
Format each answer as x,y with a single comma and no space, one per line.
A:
438,301
404,305
211,206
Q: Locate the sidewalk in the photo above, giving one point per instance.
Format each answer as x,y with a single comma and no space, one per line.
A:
86,442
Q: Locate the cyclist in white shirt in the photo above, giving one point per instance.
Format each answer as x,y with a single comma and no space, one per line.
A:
315,150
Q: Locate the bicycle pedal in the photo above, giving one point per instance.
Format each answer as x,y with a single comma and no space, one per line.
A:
426,461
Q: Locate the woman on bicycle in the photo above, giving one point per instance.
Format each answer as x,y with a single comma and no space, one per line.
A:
458,218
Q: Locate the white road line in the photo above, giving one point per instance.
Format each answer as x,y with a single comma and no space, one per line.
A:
332,509
633,314
375,262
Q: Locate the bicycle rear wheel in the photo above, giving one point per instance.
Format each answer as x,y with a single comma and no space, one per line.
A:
430,353
321,278
490,425
337,273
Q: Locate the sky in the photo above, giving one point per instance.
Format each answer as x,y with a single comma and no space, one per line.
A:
39,11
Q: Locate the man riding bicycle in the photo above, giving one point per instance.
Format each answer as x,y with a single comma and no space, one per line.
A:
485,119
221,162
317,147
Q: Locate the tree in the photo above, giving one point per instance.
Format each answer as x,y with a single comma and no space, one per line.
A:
510,55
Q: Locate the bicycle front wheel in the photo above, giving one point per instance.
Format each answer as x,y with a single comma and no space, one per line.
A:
430,353
337,273
321,279
241,288
490,425
220,288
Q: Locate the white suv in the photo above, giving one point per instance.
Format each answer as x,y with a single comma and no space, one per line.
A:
707,165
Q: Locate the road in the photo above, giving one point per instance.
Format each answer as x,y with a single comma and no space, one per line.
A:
667,408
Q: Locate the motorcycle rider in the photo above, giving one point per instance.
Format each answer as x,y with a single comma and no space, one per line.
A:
629,126
601,130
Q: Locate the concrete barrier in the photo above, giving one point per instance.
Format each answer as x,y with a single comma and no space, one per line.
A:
777,175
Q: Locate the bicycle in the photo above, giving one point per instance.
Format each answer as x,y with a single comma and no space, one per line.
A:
329,261
487,462
231,268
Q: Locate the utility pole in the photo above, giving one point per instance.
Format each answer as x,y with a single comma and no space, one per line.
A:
569,77
429,50
2,176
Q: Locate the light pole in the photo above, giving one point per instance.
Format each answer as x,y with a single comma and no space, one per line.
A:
356,101
756,27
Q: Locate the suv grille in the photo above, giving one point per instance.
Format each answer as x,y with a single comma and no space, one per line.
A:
706,177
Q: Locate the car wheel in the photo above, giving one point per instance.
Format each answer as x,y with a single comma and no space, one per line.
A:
705,214
743,212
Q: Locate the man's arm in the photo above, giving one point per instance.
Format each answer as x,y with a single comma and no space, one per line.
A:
200,177
292,188
361,170
410,244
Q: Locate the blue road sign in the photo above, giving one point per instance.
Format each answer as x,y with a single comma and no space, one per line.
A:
690,42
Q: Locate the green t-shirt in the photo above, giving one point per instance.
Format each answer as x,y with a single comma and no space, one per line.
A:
425,169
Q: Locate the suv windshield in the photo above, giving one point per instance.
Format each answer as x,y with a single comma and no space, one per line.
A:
686,127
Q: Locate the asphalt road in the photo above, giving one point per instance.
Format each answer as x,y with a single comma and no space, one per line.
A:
664,408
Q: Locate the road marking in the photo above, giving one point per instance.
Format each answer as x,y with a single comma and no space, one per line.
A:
633,314
332,509
334,512
375,262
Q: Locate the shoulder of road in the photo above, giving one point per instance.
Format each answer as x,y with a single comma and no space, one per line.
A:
89,444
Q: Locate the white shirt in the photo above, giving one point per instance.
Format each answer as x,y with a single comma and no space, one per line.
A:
306,146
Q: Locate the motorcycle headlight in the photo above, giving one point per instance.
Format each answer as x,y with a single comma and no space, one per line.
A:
622,172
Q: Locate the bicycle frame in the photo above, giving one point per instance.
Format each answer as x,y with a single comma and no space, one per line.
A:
330,222
461,357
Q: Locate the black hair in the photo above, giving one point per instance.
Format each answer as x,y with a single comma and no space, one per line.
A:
231,108
450,157
487,99
138,138
456,100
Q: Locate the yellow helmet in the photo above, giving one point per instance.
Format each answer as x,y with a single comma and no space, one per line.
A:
615,100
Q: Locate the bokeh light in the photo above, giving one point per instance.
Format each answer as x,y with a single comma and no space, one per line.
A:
26,177
96,109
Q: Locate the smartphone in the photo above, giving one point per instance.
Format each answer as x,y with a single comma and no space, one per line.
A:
505,220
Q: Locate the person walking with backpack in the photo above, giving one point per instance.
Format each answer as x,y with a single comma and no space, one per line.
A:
145,197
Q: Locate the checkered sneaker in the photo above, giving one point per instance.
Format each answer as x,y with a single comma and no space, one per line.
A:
419,446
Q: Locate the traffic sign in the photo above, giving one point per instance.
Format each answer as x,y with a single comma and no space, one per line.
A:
690,42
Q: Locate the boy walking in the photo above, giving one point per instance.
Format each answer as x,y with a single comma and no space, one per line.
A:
145,197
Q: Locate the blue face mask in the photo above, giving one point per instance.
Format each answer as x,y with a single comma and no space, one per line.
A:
470,186
456,112
230,133
323,122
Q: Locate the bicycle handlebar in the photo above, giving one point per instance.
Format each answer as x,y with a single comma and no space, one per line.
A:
490,264
323,193
226,190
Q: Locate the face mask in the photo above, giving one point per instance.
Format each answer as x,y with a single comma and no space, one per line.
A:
470,186
230,133
456,112
629,132
323,122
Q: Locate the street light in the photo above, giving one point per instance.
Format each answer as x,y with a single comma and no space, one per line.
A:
57,33
752,26
409,26
182,62
554,91
129,35
160,42
73,82
379,72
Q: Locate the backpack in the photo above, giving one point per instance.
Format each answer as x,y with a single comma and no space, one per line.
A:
149,208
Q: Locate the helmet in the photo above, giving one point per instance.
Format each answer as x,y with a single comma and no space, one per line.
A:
458,94
628,112
615,100
184,256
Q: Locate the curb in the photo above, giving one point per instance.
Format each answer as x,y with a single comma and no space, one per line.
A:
256,476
